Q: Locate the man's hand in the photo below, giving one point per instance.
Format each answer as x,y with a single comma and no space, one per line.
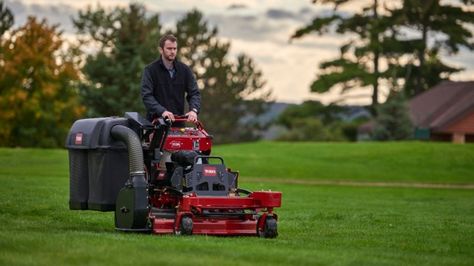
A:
192,116
168,115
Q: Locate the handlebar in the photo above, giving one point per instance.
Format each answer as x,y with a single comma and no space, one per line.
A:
184,118
180,118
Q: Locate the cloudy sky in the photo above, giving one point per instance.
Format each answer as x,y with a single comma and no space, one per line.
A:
260,29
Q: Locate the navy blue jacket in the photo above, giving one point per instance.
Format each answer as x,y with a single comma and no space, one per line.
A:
162,93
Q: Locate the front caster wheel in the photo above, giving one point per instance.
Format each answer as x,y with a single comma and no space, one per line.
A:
270,229
186,226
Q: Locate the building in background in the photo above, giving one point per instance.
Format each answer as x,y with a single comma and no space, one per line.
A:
445,112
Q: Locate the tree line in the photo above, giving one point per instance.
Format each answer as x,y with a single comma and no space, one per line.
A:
45,86
396,44
46,82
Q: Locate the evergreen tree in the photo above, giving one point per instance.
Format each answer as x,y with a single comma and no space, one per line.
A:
412,64
38,92
447,24
359,61
128,40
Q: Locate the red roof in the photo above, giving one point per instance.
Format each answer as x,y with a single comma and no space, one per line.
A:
442,105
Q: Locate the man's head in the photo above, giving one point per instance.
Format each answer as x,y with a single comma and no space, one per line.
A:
168,47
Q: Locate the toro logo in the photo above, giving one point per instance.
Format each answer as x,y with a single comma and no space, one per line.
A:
78,138
210,171
175,144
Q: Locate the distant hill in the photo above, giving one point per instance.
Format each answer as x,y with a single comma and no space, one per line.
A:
353,112
273,112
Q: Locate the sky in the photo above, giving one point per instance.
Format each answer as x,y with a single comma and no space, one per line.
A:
259,28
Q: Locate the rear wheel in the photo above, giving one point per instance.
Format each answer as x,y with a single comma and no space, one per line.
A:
186,226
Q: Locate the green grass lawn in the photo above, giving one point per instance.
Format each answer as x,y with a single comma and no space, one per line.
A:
384,162
319,225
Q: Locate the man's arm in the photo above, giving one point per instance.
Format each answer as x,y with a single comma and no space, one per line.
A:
193,95
152,106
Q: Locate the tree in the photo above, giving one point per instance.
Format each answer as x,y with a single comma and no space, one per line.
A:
410,62
127,41
448,26
38,96
359,61
393,121
6,18
233,92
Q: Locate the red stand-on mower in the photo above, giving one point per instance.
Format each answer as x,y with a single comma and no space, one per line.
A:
162,179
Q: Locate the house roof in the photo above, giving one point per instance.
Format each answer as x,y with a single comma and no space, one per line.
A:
442,105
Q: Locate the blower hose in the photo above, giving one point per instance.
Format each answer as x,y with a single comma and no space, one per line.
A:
135,153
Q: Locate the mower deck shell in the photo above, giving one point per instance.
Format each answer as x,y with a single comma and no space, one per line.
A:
216,215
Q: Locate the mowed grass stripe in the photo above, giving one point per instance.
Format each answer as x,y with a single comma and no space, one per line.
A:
402,162
360,183
415,162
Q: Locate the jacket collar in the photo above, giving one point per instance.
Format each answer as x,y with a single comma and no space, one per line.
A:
162,64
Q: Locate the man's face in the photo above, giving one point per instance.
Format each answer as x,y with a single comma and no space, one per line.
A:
169,50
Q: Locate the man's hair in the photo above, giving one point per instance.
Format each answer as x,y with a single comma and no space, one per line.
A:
168,37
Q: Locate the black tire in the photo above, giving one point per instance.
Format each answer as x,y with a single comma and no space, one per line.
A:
270,229
186,226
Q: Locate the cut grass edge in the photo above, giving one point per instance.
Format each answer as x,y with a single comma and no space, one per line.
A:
293,181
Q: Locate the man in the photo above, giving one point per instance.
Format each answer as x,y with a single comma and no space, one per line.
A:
166,82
